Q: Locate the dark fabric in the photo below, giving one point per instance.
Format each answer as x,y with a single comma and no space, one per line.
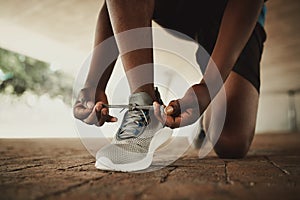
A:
200,20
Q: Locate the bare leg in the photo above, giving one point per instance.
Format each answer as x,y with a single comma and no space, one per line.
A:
103,32
239,127
126,15
92,96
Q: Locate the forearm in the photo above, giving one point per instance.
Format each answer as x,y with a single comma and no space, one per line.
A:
239,19
100,71
238,22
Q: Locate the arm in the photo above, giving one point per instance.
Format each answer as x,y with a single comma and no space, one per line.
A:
97,79
237,25
103,32
239,19
238,22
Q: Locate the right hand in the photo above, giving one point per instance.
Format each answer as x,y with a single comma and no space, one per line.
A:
89,107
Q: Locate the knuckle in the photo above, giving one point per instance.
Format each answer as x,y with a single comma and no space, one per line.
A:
88,122
100,123
76,116
168,124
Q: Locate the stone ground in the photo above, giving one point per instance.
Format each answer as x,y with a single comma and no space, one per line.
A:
63,169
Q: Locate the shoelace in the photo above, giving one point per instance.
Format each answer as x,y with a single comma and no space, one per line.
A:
133,121
130,123
129,107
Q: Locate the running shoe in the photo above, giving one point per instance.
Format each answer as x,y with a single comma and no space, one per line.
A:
139,135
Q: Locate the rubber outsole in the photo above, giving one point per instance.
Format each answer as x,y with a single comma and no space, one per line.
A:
159,138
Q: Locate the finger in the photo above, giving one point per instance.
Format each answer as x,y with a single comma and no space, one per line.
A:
90,105
172,122
92,118
166,120
103,116
184,119
173,109
157,112
85,101
99,106
80,111
111,119
169,110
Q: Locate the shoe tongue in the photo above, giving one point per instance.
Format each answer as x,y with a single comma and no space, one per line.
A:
141,98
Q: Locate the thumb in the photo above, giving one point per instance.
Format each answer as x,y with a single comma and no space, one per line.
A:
111,119
90,105
173,109
169,110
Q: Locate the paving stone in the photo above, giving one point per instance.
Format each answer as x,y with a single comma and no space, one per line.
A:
63,169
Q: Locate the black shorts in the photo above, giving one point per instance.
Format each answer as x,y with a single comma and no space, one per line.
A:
200,20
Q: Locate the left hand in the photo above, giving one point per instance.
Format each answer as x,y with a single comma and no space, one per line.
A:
184,111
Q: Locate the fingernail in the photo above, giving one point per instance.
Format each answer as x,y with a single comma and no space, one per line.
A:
169,110
90,105
114,119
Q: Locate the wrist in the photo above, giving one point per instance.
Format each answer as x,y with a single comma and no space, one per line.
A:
200,95
96,86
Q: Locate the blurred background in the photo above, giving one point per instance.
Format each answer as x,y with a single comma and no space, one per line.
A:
44,43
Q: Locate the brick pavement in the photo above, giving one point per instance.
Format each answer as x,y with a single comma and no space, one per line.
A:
63,169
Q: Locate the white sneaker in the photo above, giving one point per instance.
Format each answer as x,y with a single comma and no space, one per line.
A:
139,135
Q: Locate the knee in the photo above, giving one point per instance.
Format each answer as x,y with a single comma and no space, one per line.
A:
230,146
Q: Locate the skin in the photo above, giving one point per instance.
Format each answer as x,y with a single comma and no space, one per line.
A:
123,15
238,22
239,127
92,111
242,98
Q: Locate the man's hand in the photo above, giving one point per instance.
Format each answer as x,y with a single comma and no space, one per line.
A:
184,111
86,110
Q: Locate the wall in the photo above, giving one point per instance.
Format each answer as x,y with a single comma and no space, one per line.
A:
273,113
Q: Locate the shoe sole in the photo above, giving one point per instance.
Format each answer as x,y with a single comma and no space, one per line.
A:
159,138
